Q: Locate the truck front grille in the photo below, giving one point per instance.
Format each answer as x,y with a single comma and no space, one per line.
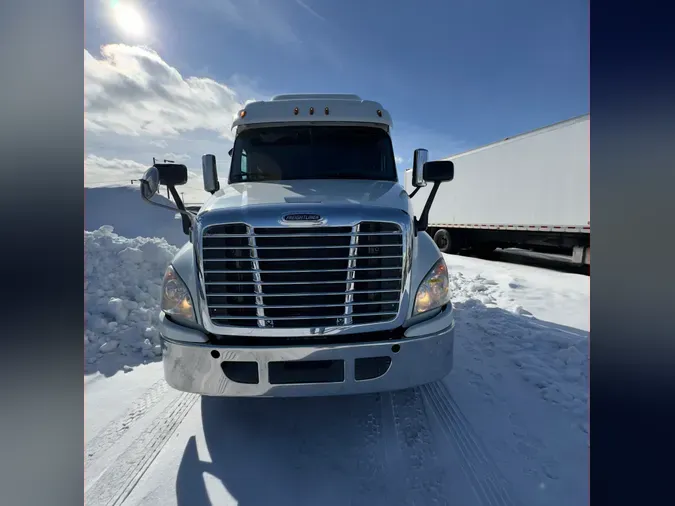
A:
301,277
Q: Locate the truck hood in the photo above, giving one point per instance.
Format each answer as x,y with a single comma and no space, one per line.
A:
310,191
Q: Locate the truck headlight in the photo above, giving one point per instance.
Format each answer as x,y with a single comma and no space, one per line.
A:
176,300
434,290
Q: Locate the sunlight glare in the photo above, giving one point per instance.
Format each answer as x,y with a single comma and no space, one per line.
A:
129,20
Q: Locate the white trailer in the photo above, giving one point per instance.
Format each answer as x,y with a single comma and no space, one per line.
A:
529,191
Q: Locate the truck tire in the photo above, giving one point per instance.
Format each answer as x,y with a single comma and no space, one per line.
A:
443,240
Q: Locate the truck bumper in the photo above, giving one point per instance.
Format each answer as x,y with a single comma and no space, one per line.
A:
423,355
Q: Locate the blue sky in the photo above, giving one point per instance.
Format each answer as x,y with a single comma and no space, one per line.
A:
455,74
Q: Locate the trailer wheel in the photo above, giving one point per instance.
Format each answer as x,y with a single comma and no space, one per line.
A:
443,241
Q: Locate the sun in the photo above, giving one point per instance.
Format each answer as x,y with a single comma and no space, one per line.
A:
128,19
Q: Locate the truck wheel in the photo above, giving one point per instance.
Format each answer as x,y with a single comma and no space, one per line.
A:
443,241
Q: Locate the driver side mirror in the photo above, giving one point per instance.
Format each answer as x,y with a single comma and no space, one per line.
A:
169,175
420,157
172,174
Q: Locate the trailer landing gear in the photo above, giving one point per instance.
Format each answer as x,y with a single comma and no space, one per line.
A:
581,255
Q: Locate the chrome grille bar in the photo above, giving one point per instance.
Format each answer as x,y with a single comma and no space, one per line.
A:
308,259
356,234
260,311
328,317
351,274
307,271
268,306
374,280
275,247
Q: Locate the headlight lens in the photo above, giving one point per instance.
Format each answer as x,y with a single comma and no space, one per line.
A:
176,300
434,290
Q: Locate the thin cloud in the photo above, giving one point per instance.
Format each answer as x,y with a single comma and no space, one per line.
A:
271,21
160,143
310,10
263,20
100,171
178,158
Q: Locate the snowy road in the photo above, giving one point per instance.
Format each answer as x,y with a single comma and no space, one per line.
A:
410,447
507,427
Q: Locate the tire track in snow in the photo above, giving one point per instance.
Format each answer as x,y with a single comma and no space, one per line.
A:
117,482
420,475
490,486
393,456
369,482
111,433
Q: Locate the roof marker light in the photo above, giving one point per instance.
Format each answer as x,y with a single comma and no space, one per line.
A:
311,110
242,113
379,113
326,111
296,111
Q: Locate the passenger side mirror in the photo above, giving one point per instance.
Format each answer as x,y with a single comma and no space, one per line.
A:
210,174
420,157
439,171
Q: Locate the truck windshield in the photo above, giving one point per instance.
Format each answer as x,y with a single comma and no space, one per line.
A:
312,152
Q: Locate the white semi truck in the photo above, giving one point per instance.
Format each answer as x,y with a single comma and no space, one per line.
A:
308,272
529,191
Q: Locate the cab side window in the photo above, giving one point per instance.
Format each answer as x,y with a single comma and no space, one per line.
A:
243,164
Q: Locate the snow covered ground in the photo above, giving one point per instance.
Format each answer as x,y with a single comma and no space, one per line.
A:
509,425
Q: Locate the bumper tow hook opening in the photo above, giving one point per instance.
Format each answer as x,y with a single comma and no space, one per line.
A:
396,348
371,368
241,372
215,353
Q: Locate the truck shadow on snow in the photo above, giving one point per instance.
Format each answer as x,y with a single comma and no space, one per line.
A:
279,451
329,450
546,261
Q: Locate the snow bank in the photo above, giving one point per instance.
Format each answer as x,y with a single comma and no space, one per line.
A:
551,357
122,289
123,208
